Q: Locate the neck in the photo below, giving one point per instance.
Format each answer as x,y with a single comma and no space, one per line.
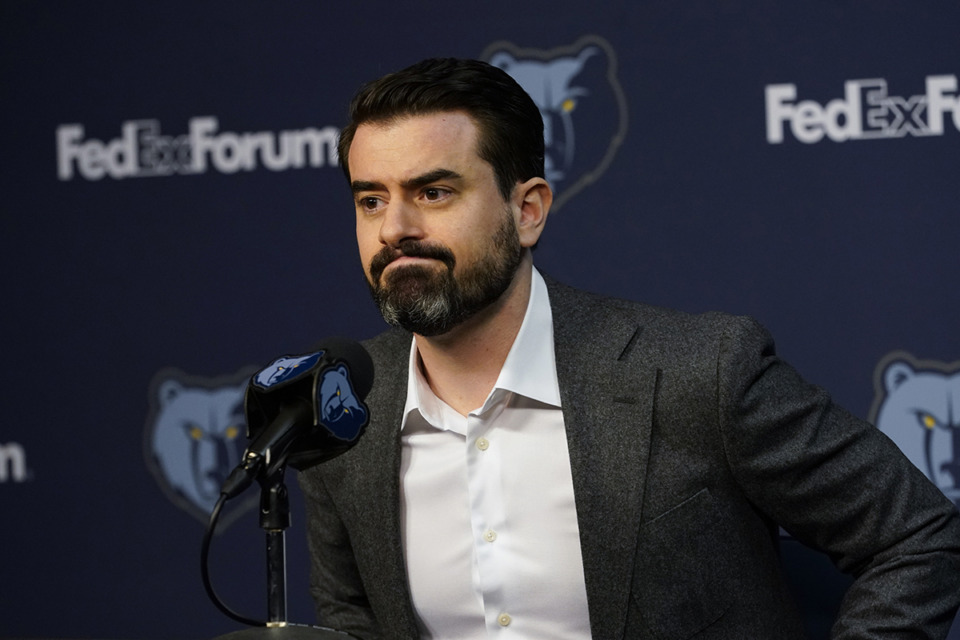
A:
462,365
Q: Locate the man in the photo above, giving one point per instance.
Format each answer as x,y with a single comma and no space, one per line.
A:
545,463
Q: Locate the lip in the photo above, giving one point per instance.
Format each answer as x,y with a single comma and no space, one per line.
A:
408,260
404,261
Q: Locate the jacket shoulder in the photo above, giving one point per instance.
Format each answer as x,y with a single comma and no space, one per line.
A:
586,310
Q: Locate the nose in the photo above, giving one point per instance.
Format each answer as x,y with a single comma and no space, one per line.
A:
402,220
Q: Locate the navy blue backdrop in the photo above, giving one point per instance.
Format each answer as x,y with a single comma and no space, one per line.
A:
173,216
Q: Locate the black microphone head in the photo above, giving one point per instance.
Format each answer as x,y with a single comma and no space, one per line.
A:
332,378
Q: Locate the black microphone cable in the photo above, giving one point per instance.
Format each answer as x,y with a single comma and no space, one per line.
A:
205,567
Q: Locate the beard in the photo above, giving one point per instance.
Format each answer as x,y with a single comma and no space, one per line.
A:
431,303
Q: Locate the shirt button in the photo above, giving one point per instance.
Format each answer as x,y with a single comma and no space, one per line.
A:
483,444
489,535
504,619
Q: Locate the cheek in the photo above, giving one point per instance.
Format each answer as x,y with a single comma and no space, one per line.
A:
367,240
366,253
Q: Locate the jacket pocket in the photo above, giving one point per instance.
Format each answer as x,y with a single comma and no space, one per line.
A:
687,568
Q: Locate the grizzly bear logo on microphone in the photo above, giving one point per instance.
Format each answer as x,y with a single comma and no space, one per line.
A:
341,412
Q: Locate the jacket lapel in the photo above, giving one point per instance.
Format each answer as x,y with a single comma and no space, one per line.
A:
607,390
376,488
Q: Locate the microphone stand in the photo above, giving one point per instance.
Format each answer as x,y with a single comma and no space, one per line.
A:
275,520
283,411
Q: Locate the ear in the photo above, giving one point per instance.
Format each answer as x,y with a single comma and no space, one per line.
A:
169,390
532,200
896,374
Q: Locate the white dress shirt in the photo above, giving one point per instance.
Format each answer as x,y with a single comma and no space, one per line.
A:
490,531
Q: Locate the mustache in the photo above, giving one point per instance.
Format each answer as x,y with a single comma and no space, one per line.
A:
410,249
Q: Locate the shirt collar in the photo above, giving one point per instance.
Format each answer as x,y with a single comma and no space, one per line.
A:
530,368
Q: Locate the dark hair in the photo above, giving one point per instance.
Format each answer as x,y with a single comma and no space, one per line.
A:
508,121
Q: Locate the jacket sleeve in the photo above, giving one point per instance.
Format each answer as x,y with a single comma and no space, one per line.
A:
335,582
839,484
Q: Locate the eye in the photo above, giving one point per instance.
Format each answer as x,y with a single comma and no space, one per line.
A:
568,105
435,194
369,204
926,420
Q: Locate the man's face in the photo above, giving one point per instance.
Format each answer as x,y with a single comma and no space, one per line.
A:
437,241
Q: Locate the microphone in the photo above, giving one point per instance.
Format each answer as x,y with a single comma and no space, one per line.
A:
303,410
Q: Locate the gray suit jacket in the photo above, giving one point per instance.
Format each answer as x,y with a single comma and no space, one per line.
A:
690,441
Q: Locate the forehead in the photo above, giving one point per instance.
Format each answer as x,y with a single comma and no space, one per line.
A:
411,144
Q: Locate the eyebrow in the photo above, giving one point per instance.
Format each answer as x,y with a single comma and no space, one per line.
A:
413,183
